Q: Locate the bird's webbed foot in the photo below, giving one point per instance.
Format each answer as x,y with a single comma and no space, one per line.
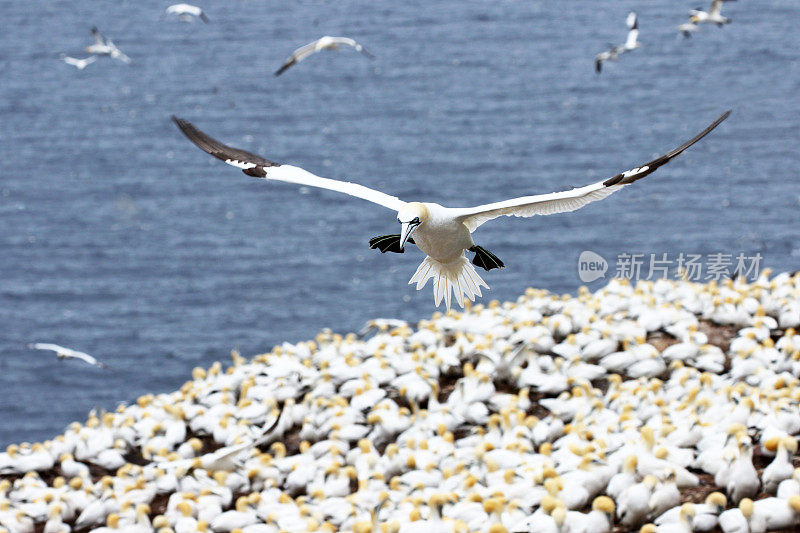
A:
485,259
388,243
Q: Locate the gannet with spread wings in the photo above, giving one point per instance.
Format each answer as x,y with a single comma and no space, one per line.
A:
67,353
444,234
631,43
324,43
713,15
187,12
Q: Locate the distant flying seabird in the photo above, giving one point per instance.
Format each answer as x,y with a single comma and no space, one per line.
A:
688,28
442,233
80,64
105,47
713,15
631,43
67,353
187,12
325,43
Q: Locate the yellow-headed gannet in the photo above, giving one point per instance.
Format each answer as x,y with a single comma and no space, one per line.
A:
325,43
442,233
80,64
186,12
713,15
631,43
67,353
105,47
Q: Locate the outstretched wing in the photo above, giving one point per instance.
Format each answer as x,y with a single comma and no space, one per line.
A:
98,37
633,33
561,202
259,167
297,56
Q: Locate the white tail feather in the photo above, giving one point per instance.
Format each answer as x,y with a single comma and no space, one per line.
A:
458,277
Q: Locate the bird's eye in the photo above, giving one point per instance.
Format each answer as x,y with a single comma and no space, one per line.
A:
415,221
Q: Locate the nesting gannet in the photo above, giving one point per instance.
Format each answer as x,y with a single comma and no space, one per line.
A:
80,64
67,353
631,43
104,46
324,43
442,233
187,12
713,14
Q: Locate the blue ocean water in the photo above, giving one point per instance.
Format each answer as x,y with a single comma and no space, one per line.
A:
120,238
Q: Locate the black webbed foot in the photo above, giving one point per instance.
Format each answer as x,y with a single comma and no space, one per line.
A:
388,243
485,259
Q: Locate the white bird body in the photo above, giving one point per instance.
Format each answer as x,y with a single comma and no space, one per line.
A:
781,467
743,481
442,233
67,353
105,47
713,15
80,64
778,513
631,43
688,28
186,12
324,43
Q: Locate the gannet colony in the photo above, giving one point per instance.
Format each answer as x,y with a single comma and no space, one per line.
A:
660,406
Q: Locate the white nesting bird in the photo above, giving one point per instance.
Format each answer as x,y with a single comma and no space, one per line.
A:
67,353
444,234
187,12
79,64
631,43
713,15
324,43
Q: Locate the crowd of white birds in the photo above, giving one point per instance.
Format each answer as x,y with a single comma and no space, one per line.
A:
666,406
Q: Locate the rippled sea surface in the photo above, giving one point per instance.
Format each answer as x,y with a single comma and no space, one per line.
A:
120,238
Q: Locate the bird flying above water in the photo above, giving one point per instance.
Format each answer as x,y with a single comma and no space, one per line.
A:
631,43
325,43
444,234
80,64
186,12
67,353
713,15
105,47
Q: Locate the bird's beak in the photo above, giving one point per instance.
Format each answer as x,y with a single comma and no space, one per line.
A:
407,228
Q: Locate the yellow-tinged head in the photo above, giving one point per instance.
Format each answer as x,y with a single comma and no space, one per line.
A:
746,506
411,216
603,504
718,499
794,503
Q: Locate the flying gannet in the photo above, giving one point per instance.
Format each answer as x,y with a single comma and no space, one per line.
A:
187,12
67,353
80,64
325,43
713,15
631,43
688,28
105,47
442,233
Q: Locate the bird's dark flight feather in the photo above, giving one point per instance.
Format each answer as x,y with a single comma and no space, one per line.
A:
223,151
